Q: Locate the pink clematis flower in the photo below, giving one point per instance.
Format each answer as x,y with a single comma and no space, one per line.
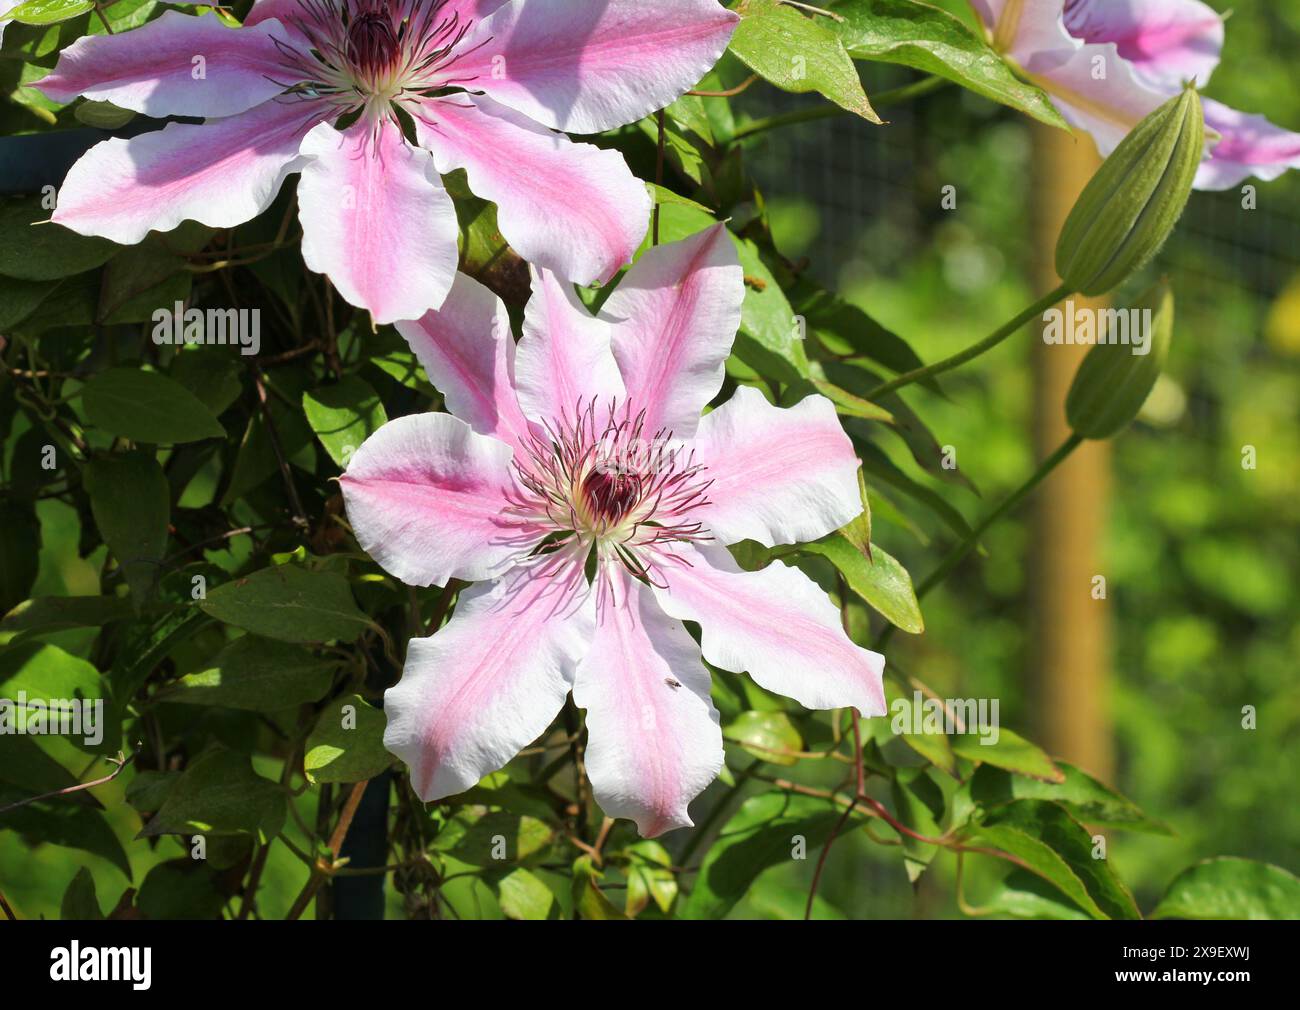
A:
581,450
337,90
1107,63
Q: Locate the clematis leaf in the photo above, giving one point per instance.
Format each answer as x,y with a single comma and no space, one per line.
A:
931,40
1230,888
147,407
344,415
129,498
347,744
880,580
289,603
220,794
798,54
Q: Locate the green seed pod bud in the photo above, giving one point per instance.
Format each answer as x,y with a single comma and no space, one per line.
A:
1116,377
1130,207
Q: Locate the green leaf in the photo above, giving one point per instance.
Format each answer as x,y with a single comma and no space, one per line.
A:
1026,896
256,674
1231,888
290,604
933,746
933,41
481,837
343,416
523,896
765,831
57,613
80,903
766,735
148,790
130,500
147,407
1081,794
20,544
48,12
1010,751
1060,850
220,794
19,299
68,825
919,805
50,679
880,580
798,54
347,744
588,898
180,889
31,249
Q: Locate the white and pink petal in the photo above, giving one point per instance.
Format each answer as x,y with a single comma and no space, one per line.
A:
775,624
571,208
490,682
564,363
778,475
467,350
653,736
1248,145
377,220
675,317
1167,41
426,496
178,65
584,67
220,173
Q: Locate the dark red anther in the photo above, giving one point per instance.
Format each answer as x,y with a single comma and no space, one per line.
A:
373,44
611,491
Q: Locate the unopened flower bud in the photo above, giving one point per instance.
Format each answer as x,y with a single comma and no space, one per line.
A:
1130,207
1116,377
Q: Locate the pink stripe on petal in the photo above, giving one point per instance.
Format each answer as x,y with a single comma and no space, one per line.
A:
1249,146
467,349
490,682
779,476
676,313
377,220
176,66
425,496
564,355
776,624
653,739
1167,41
568,207
586,67
220,173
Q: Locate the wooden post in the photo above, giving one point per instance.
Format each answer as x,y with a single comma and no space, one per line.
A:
1068,678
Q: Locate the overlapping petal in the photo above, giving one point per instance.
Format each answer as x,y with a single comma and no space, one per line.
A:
653,736
1248,146
585,67
178,65
571,208
564,362
1167,41
775,624
675,316
220,173
490,682
376,219
466,348
779,476
425,495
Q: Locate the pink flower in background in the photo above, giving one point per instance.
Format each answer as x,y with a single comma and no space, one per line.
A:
581,449
324,86
1107,63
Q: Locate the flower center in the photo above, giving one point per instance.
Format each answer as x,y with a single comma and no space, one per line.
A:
369,54
598,478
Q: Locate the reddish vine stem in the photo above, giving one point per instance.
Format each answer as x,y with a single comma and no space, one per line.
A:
740,88
120,761
323,870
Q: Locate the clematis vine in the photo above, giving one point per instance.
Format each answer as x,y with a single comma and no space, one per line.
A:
1107,63
576,484
372,101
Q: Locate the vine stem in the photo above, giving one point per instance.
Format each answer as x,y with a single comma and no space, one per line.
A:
955,556
323,870
883,100
974,350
